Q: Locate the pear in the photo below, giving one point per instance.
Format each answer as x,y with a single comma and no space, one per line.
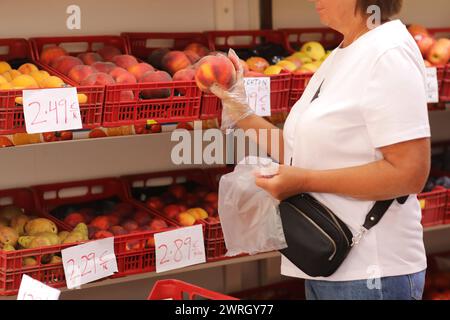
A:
83,229
8,236
25,241
56,259
29,262
18,223
9,247
52,237
74,236
63,235
39,225
39,242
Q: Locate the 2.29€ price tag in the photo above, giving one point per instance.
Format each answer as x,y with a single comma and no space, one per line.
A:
432,86
49,110
31,289
258,95
179,248
89,262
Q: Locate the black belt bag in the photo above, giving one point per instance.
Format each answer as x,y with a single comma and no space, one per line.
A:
318,241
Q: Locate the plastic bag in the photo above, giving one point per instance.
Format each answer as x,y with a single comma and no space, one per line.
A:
249,215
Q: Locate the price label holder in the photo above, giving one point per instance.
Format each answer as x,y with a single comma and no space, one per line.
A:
432,86
89,262
179,248
31,289
258,95
49,110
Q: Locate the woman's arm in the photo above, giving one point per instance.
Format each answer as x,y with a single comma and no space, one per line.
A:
403,171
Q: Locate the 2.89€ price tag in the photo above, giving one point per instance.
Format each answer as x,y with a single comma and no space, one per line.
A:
49,110
258,95
31,289
89,262
179,248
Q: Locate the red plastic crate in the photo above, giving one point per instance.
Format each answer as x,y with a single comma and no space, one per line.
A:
433,207
215,250
447,209
242,39
444,95
216,173
295,38
179,290
128,248
298,85
212,230
141,44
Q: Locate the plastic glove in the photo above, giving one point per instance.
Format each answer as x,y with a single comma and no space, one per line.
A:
234,100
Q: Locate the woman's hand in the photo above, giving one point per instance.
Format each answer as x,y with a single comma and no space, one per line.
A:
289,182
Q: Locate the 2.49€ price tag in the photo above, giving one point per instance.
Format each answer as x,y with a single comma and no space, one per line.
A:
49,110
179,248
89,262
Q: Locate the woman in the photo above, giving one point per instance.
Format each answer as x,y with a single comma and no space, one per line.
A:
359,134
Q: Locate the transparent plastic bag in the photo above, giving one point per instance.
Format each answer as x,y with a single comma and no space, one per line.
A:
249,215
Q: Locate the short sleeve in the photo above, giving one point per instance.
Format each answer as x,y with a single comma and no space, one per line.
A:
394,104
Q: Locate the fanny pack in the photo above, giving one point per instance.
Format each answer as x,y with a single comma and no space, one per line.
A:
318,241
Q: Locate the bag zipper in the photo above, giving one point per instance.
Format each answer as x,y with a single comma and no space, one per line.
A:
334,219
318,228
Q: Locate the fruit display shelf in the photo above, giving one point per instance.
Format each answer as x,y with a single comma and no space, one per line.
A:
173,194
12,119
103,205
295,38
127,102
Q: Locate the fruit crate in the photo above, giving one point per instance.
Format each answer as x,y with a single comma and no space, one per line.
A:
299,83
433,207
244,42
443,71
447,209
12,266
215,250
135,251
294,38
144,186
179,290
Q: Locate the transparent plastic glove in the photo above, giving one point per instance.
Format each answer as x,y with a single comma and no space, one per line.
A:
234,100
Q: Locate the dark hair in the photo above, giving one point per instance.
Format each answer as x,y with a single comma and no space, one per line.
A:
388,8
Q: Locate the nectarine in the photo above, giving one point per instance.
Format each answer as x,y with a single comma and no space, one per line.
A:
139,69
215,69
198,48
80,72
89,58
27,68
257,64
105,67
185,219
101,222
125,61
50,54
158,76
175,61
100,79
65,63
109,52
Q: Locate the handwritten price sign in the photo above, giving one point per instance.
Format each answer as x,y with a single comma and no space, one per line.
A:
179,248
31,289
89,262
49,110
258,95
432,86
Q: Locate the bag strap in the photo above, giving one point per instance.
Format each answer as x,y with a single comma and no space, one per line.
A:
378,211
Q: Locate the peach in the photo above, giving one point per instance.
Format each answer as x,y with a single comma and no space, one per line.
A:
198,48
105,67
126,78
50,54
171,211
102,234
65,63
117,71
155,58
192,56
175,61
215,69
74,218
3,79
158,76
98,79
187,74
118,230
6,86
257,64
80,72
25,81
89,58
130,225
27,68
185,219
125,61
4,67
13,74
138,70
109,52
142,218
52,82
7,76
114,219
40,76
157,224
155,203
101,222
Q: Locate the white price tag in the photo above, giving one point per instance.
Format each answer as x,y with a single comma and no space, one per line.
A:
49,110
258,95
432,85
89,262
179,248
31,289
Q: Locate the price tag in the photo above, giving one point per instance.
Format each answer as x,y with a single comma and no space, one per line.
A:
432,85
31,289
89,262
49,110
258,95
179,248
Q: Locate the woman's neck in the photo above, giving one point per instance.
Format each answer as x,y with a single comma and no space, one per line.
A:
353,32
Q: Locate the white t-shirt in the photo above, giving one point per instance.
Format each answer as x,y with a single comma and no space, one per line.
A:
372,95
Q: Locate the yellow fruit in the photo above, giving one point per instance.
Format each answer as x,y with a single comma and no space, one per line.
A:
10,212
7,76
25,81
56,259
63,235
3,80
309,67
8,236
29,262
25,241
6,86
39,76
40,225
198,213
9,247
27,68
4,66
74,237
82,98
52,237
14,74
18,223
314,50
25,138
304,58
83,229
39,242
287,65
326,56
52,82
273,70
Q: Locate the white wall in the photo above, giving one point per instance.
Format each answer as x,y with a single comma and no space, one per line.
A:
301,13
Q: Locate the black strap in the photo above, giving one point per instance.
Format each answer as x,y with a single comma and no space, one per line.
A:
378,211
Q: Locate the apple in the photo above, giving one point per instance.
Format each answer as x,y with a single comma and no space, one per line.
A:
425,43
439,53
